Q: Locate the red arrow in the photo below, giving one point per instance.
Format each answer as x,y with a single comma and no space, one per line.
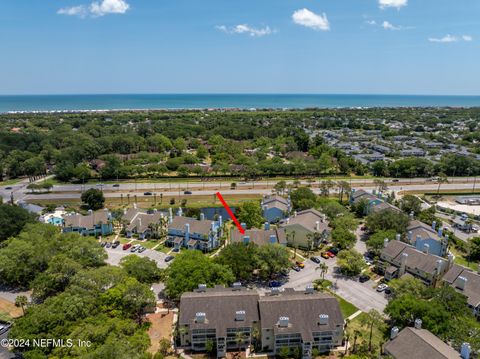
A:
230,213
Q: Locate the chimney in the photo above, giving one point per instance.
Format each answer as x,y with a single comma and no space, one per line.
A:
398,237
202,216
439,267
124,211
434,225
170,215
394,333
440,232
385,243
273,239
135,205
287,221
461,283
266,226
244,225
410,237
294,213
451,258
187,231
418,239
139,222
426,248
418,324
180,211
403,264
465,351
323,319
220,221
275,291
324,217
309,289
265,207
240,315
283,322
212,226
412,215
202,287
200,317
317,226
246,239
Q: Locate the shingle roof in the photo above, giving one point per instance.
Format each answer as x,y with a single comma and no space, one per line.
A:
413,343
196,226
360,194
423,230
88,221
385,206
275,201
140,220
303,311
472,286
259,236
308,219
219,306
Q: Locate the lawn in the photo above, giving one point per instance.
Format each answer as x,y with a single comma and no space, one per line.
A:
356,324
10,182
460,259
347,308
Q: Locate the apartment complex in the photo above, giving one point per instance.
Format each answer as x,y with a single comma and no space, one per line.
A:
467,282
260,237
233,318
306,229
275,208
94,224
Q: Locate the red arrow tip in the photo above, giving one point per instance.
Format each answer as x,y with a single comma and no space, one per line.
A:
230,213
241,230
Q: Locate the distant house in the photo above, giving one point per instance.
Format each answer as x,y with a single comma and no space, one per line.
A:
142,223
413,152
260,237
309,226
398,259
55,218
275,208
418,343
468,200
382,206
370,199
466,282
193,233
93,224
426,238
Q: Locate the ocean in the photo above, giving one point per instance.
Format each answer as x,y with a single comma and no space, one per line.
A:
29,103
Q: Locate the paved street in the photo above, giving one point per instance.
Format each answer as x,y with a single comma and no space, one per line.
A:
115,255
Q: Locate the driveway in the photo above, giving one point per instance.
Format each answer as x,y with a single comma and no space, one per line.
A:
4,353
362,295
116,254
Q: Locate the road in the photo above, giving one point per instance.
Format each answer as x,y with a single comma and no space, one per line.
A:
4,353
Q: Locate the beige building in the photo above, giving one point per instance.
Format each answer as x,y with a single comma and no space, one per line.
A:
306,228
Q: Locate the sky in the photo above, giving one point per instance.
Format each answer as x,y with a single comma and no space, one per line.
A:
240,46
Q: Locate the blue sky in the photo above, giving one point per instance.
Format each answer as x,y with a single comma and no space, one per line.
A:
240,46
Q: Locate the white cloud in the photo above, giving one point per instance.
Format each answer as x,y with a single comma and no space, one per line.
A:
392,3
97,8
451,38
371,22
246,29
309,19
389,26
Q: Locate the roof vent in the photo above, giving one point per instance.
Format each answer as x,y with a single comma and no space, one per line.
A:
202,287
237,285
394,332
283,322
418,324
323,319
240,315
309,289
200,317
461,282
275,291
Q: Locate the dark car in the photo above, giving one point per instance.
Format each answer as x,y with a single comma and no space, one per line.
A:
108,245
363,278
8,187
296,268
395,180
116,185
147,193
333,250
274,284
103,244
315,259
115,244
187,192
169,258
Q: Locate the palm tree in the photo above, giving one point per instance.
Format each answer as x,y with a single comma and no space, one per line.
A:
21,301
344,187
356,333
323,268
239,339
373,318
442,178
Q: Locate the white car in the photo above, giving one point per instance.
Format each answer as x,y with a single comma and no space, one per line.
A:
382,287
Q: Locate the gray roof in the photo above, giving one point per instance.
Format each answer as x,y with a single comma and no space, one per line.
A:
196,226
219,305
361,194
259,236
423,230
385,206
275,201
303,311
88,221
416,260
308,219
140,220
412,343
472,286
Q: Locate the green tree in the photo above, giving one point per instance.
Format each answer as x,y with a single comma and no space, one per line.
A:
144,269
371,320
387,220
250,213
303,198
410,203
350,262
12,220
343,238
240,258
273,258
21,301
376,241
93,198
280,187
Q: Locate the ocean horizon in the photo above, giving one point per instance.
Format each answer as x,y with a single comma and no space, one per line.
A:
118,102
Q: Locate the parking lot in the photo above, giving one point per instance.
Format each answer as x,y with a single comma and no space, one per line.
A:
116,254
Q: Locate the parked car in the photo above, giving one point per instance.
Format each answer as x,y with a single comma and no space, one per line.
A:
274,284
325,255
108,245
296,268
4,327
334,250
395,180
330,254
141,249
363,278
103,244
368,260
126,246
147,193
315,259
187,192
169,258
382,287
300,264
8,187
387,291
116,185
135,248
